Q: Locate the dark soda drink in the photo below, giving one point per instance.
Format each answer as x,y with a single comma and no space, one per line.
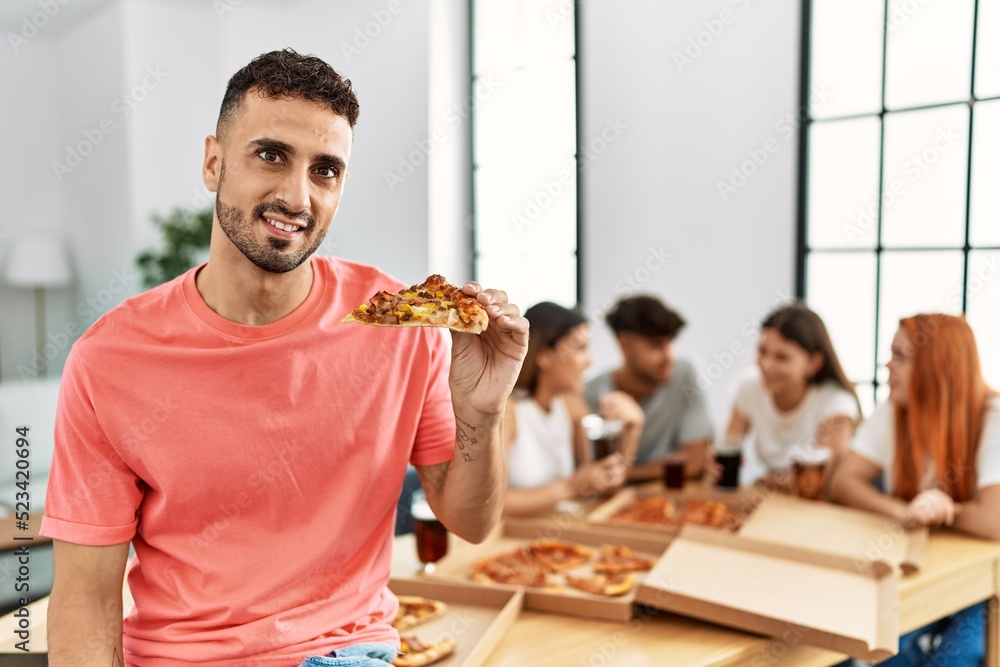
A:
432,539
604,447
673,472
730,461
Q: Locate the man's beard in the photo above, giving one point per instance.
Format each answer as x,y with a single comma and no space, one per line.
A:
274,257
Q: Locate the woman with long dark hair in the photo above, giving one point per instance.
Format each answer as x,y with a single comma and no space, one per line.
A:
799,395
936,445
548,458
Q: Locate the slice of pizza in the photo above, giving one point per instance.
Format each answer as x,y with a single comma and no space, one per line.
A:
433,303
704,513
559,555
414,610
415,653
620,559
611,584
655,511
514,568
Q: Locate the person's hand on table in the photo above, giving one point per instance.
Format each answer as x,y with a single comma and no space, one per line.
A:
933,507
484,367
776,480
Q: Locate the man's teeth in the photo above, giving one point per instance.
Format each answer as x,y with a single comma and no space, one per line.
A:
283,227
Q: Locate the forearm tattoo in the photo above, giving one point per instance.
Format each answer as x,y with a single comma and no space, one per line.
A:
465,436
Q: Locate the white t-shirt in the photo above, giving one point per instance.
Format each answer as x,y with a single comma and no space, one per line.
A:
776,431
876,441
542,451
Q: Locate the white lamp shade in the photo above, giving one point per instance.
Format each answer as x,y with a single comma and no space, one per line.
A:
38,261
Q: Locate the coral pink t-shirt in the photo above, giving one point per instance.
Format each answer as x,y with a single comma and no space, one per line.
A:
255,469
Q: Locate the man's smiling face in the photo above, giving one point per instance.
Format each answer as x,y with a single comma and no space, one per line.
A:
279,170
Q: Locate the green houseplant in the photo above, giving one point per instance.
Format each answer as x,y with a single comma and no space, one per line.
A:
186,234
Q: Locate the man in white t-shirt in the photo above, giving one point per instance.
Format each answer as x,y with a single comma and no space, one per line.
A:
666,387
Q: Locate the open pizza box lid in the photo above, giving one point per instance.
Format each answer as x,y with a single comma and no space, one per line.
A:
478,619
834,529
824,600
567,600
740,502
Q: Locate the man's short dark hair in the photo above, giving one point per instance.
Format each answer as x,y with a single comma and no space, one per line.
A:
646,316
290,75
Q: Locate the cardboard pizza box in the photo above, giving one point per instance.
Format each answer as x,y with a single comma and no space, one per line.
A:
568,600
826,600
834,529
478,619
741,502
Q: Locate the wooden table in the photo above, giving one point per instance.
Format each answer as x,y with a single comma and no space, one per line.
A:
959,571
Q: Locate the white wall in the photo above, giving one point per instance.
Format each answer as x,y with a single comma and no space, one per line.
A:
68,80
654,185
171,61
26,74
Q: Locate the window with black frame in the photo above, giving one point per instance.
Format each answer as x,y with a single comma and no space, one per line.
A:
524,148
900,204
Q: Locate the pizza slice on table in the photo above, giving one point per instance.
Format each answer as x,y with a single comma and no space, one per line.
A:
610,584
433,303
514,568
621,559
559,555
415,653
415,610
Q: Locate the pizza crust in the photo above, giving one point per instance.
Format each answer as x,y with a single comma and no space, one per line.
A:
415,610
604,584
429,653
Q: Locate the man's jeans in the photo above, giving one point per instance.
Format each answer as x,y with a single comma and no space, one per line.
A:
356,655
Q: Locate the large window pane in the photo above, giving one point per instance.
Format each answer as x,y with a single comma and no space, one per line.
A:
849,70
513,33
985,209
530,277
882,393
988,49
917,282
934,195
926,163
984,310
525,153
866,394
519,214
928,52
843,183
842,292
528,136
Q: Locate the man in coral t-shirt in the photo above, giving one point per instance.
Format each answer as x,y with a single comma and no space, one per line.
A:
249,444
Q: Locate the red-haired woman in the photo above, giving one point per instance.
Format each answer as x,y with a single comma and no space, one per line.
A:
936,444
